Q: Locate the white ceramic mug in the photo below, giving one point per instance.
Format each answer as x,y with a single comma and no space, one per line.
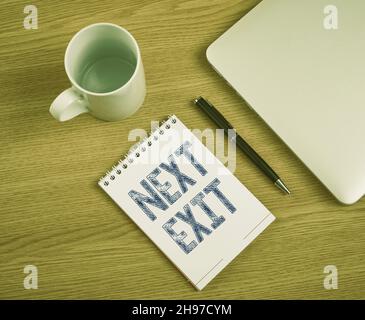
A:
104,65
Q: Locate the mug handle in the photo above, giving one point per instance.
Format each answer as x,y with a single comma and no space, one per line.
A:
68,105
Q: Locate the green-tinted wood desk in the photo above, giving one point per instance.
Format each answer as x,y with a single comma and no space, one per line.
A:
53,214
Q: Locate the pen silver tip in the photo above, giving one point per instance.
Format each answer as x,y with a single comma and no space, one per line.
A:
196,100
280,184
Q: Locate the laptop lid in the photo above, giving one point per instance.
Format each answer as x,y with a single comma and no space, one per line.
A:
303,72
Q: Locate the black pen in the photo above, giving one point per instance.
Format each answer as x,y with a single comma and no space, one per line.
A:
217,117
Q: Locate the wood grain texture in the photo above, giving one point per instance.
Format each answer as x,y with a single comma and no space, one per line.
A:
53,214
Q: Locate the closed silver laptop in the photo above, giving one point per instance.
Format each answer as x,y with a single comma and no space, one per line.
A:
301,66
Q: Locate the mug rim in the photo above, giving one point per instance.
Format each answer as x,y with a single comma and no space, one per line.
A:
75,84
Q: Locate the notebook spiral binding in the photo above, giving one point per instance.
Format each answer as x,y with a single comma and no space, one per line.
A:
136,151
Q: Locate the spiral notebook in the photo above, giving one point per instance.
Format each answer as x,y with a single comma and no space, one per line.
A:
186,201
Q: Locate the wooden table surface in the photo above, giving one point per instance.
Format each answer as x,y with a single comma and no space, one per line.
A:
53,214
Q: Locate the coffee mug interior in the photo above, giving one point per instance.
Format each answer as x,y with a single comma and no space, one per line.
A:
101,58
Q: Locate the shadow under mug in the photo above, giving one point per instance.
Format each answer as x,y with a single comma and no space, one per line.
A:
103,63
